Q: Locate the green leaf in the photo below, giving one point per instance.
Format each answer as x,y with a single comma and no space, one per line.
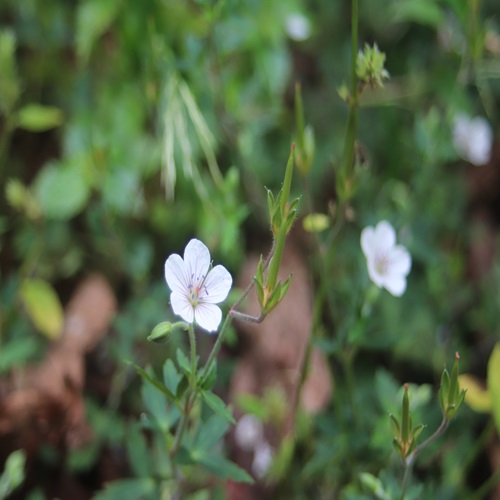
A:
127,488
43,307
17,352
62,190
249,403
425,12
9,81
171,376
120,190
93,19
38,118
477,396
315,223
138,452
494,384
223,468
164,415
209,380
373,485
209,434
13,474
146,376
217,405
184,364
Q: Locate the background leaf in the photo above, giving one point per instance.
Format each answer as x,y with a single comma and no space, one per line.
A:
494,384
62,190
37,118
43,307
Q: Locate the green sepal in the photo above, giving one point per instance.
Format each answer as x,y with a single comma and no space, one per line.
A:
291,214
274,298
417,431
444,389
259,275
271,204
454,388
260,292
397,446
160,332
277,218
284,288
405,418
396,428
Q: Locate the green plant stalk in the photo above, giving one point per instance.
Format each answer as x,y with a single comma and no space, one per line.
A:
275,263
287,184
299,117
410,459
217,346
352,120
192,344
347,360
5,138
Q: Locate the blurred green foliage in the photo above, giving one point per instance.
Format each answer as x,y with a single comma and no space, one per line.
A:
128,127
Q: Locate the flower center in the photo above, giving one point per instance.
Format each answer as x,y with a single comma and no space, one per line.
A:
382,263
197,290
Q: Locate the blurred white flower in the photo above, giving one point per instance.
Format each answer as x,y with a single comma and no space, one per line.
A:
472,138
262,459
388,263
195,287
298,27
249,432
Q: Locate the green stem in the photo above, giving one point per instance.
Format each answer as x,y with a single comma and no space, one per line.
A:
192,344
347,359
354,46
275,263
217,346
5,138
352,120
410,459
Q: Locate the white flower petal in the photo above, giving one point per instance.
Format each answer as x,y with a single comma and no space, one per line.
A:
399,261
385,236
217,285
208,316
472,138
181,306
197,260
249,432
367,241
374,274
387,263
176,274
395,284
262,459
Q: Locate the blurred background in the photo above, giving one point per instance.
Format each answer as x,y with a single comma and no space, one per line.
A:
127,128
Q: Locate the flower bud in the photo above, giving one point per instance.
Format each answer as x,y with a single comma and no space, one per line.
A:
450,395
162,331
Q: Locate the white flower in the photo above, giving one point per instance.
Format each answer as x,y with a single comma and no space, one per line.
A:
262,459
388,263
195,287
298,27
472,138
249,432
